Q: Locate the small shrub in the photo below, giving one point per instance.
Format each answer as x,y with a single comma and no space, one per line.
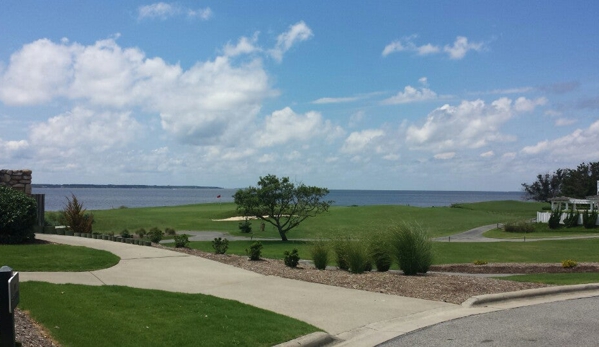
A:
480,262
155,235
589,219
380,253
18,215
181,240
568,264
571,219
255,251
519,227
340,249
141,232
170,231
292,258
554,219
220,245
413,249
125,234
110,233
76,217
245,227
319,250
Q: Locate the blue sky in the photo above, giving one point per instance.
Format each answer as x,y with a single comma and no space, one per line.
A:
435,95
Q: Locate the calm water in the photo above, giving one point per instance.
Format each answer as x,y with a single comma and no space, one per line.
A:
107,198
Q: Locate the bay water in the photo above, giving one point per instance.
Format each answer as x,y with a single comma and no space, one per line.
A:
109,198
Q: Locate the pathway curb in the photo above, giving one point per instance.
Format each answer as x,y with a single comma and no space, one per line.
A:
317,339
481,300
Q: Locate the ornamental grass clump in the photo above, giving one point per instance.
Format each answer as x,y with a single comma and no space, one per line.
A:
352,255
569,264
319,250
413,248
380,252
519,227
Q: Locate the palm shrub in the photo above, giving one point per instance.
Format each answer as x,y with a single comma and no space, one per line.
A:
292,258
413,249
181,240
220,245
155,235
319,250
125,234
255,251
76,217
554,219
18,214
589,219
170,231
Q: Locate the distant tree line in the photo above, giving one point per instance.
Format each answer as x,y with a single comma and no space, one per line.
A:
573,183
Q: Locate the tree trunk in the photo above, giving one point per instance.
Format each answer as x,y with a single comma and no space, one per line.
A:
283,236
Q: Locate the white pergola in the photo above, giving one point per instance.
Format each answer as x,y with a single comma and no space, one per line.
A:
559,202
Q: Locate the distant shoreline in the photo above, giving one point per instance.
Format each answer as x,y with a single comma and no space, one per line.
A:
125,186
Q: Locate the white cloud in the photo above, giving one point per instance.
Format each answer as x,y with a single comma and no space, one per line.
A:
461,46
423,81
244,46
523,104
297,33
488,154
445,156
560,122
13,149
472,124
285,125
457,50
358,141
336,100
162,10
411,94
580,145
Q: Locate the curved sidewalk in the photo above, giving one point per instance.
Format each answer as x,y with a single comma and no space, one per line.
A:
359,318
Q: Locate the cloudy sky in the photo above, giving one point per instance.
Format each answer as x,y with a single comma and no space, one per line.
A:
423,95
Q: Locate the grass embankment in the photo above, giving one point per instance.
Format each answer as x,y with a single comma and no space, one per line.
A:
51,257
453,252
357,221
92,316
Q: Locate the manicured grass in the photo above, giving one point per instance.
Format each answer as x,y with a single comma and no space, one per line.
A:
52,257
347,221
558,279
542,231
93,316
271,249
517,252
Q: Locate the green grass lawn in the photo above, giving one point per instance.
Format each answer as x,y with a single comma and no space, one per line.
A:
453,252
558,279
350,221
91,316
52,257
542,231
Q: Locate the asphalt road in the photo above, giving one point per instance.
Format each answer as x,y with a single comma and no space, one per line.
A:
565,323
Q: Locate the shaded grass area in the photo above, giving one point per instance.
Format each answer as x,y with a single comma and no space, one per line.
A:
78,315
453,252
541,230
53,257
340,220
558,279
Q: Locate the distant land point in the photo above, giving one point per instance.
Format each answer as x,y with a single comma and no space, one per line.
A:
124,186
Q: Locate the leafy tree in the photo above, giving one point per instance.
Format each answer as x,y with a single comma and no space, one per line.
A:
281,203
545,187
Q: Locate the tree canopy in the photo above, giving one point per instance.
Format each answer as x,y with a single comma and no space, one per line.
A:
281,203
574,183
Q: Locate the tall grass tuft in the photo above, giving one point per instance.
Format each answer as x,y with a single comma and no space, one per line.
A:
413,248
319,250
352,255
380,252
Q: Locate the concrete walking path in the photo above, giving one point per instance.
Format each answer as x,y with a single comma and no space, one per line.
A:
476,235
359,318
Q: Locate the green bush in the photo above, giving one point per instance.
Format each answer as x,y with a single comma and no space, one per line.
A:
519,227
141,232
125,234
568,264
380,253
76,217
480,262
413,249
319,250
255,251
245,227
54,218
18,214
292,258
181,240
554,219
571,219
220,245
170,231
589,219
155,235
340,249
